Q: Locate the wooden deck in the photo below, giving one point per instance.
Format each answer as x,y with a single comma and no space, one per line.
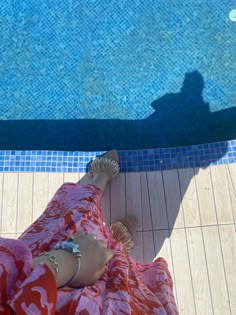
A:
187,216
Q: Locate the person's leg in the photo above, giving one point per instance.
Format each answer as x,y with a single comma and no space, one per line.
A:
71,205
86,180
101,172
100,180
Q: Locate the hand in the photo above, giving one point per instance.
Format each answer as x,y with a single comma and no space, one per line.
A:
94,256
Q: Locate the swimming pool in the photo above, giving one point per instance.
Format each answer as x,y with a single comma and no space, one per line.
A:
130,75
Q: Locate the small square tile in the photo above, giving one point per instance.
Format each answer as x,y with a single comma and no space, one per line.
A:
138,160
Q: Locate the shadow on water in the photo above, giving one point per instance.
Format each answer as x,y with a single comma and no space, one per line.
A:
179,119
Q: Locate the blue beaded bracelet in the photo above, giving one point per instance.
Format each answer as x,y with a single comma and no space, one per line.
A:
70,247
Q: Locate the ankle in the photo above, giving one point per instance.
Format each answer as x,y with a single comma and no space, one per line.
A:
104,165
100,180
100,175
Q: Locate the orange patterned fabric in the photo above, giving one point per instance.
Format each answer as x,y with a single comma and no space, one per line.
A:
126,287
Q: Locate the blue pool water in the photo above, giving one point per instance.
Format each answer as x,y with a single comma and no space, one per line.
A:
93,75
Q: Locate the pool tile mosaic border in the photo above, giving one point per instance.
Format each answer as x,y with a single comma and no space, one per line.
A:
201,155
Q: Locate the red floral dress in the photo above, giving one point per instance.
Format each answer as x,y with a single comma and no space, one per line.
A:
126,287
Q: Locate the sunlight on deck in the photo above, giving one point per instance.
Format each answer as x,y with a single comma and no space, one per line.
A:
188,216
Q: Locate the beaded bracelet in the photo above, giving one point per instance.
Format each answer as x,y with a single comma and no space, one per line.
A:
70,247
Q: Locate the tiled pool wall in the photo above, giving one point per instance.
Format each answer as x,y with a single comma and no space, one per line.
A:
201,155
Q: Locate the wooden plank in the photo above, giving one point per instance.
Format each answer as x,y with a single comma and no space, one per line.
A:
146,207
137,251
220,298
118,198
85,178
173,199
25,201
148,246
205,196
228,241
157,201
17,235
231,176
70,177
9,204
40,194
9,235
183,281
162,245
133,197
201,286
55,180
221,194
189,197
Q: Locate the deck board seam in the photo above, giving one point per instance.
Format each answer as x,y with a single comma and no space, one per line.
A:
204,247
221,249
186,240
171,251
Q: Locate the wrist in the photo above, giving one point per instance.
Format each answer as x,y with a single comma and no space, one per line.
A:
67,265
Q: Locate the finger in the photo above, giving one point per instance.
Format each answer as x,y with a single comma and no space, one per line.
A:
102,243
100,272
109,254
92,236
103,270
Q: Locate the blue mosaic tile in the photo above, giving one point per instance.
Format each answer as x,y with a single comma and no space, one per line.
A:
130,161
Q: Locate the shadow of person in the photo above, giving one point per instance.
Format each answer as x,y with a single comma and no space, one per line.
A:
179,116
180,119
